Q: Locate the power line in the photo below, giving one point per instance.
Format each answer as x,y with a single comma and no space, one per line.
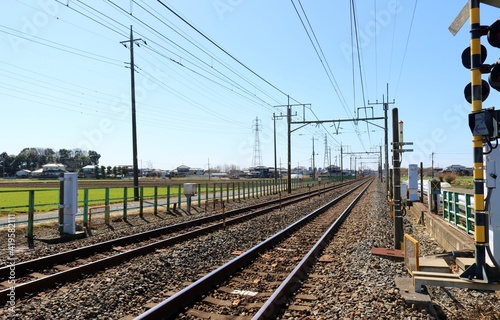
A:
64,48
100,23
324,62
200,47
209,69
406,46
222,49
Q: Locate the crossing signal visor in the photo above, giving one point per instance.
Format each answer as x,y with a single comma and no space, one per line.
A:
469,60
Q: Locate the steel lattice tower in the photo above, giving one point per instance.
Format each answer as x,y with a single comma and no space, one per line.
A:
257,154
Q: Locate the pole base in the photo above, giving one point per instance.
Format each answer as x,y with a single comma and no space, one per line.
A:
486,274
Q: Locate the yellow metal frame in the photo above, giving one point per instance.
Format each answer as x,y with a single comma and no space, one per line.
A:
408,259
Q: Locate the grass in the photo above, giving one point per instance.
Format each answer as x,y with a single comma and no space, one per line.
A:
463,182
16,200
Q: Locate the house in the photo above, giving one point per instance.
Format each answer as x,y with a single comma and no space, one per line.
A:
196,171
458,169
23,173
37,173
53,170
88,171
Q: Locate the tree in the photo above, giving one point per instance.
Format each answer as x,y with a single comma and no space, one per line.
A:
94,157
64,156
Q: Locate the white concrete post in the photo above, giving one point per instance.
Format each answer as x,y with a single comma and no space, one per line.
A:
70,202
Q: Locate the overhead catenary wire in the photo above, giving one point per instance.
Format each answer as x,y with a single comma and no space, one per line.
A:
224,51
262,101
154,30
244,95
319,52
406,46
60,47
157,15
93,19
209,69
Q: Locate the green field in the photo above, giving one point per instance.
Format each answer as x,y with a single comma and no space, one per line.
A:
16,200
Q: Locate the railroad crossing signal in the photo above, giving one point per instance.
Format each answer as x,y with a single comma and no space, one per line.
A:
476,61
459,21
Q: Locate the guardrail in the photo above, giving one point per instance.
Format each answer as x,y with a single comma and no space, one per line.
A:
458,210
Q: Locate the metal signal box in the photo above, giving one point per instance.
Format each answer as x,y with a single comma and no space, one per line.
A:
190,189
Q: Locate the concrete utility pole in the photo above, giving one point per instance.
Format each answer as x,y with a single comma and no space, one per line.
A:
131,42
289,135
313,159
276,174
432,164
386,135
398,217
289,123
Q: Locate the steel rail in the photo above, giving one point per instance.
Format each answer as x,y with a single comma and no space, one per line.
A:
279,298
98,265
24,268
171,307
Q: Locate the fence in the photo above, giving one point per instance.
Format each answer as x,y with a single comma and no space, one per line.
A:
122,199
458,209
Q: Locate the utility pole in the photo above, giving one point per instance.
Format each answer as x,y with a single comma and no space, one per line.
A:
131,42
341,163
432,164
398,216
380,165
313,162
325,158
208,166
289,125
386,135
289,142
275,159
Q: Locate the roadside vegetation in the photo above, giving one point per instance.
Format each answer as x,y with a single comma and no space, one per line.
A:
464,182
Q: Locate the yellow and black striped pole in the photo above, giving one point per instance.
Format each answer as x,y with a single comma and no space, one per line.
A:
478,270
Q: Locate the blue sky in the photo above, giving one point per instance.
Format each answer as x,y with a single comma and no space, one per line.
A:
65,82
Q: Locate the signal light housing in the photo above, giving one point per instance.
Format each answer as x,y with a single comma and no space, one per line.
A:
494,34
494,78
466,56
485,91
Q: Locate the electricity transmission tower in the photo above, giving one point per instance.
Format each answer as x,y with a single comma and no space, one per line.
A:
257,154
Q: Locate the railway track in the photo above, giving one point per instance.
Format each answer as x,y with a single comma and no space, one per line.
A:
36,275
257,283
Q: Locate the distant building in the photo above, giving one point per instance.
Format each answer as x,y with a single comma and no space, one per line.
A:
458,169
52,170
88,171
23,173
196,171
